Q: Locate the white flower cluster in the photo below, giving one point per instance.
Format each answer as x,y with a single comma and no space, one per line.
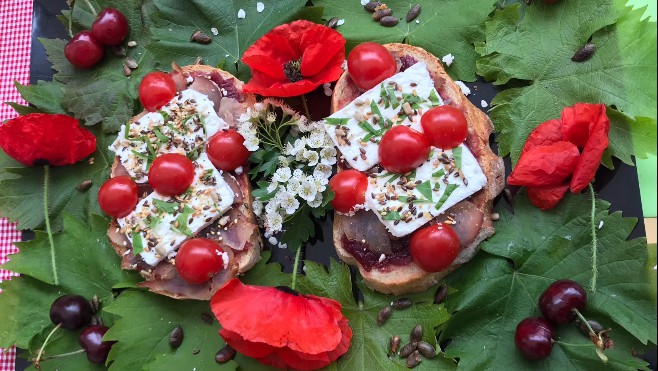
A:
303,173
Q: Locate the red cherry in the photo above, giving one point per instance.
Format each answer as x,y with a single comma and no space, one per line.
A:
560,299
110,27
534,338
84,50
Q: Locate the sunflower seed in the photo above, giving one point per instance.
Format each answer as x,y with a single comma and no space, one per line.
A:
378,15
225,354
384,315
132,44
395,344
370,7
426,349
126,70
196,351
413,12
332,23
389,21
95,304
85,185
403,303
584,53
131,63
408,349
413,360
440,295
416,334
200,37
176,337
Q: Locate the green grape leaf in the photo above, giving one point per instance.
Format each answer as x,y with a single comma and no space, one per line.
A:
104,93
61,342
176,21
370,342
45,96
537,45
444,27
530,250
21,188
83,263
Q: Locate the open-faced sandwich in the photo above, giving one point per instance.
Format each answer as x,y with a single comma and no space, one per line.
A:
417,152
186,162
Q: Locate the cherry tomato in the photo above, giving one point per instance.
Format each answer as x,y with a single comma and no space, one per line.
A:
118,196
445,126
349,187
171,174
156,90
403,149
199,259
369,64
226,150
435,247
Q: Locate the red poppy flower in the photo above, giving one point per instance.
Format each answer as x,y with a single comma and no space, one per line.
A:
280,327
45,139
294,59
559,149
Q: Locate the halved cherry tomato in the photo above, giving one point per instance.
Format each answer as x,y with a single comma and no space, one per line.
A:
226,150
171,174
349,187
199,259
435,247
118,196
156,89
445,126
369,64
403,149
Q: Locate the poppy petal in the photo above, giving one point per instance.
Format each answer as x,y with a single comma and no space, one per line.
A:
276,318
545,165
577,122
590,159
40,138
547,133
320,47
246,347
269,54
546,198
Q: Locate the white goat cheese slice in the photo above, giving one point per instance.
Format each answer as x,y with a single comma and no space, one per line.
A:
182,126
404,203
357,128
163,223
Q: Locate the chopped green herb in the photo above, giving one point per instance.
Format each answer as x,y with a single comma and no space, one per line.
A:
173,128
410,98
138,244
126,130
195,152
164,206
434,98
439,174
182,219
207,174
140,155
392,215
393,178
457,155
161,137
446,194
425,189
392,98
152,221
165,115
383,95
336,121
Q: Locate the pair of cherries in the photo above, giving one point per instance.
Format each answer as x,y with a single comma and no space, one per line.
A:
85,49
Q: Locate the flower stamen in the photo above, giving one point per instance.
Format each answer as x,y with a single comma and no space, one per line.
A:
293,70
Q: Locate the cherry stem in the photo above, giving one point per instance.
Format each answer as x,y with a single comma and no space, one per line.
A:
584,320
571,344
306,110
36,360
46,215
64,354
594,239
295,268
71,18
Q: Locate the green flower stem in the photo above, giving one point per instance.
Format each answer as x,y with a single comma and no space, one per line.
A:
594,239
295,267
46,215
63,355
584,320
91,7
36,360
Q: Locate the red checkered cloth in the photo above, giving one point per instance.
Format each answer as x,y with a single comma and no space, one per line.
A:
15,38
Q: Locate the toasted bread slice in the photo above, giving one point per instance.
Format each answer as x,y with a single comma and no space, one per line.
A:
410,277
162,278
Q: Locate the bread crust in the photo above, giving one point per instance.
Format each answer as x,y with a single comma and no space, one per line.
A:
410,278
243,260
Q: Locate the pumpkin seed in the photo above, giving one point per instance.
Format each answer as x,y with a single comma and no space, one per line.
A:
225,354
408,349
176,337
417,333
395,344
370,7
389,21
403,303
413,360
384,315
440,295
332,23
200,37
378,15
84,186
426,349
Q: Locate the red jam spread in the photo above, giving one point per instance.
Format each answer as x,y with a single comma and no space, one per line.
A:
370,259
